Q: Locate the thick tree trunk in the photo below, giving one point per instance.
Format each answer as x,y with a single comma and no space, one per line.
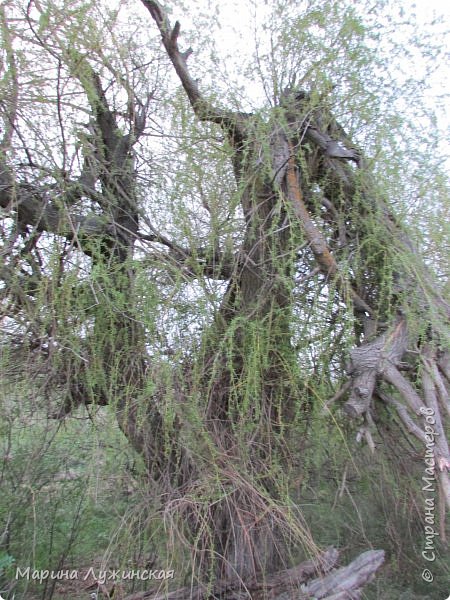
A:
238,400
302,150
245,409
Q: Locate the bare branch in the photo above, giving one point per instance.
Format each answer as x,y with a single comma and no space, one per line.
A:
319,246
405,417
393,376
203,262
204,110
35,208
430,395
347,579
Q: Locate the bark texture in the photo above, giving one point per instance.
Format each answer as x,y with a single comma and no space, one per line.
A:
240,537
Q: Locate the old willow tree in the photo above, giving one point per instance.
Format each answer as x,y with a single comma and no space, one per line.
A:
243,257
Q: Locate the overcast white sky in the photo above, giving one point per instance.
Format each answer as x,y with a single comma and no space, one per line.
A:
236,17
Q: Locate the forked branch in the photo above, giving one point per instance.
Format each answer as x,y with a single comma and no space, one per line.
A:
204,110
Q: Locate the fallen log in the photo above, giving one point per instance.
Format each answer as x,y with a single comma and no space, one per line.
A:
316,578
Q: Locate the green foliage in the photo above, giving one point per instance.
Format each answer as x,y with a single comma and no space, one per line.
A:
73,489
65,490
